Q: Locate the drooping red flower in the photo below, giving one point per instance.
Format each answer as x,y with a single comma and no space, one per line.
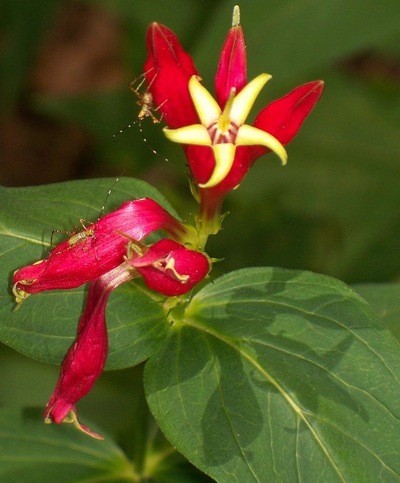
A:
87,356
219,146
97,249
109,253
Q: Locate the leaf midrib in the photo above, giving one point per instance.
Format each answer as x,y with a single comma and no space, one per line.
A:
192,323
34,241
300,413
307,313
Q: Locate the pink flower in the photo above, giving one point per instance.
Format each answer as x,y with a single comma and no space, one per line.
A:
170,268
219,146
97,249
109,253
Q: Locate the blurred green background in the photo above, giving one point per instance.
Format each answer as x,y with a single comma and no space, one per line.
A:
334,209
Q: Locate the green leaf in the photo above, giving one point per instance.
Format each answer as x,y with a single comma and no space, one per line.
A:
44,326
151,452
32,451
385,299
278,375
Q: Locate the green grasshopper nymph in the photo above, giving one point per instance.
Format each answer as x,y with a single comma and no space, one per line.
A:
75,235
81,235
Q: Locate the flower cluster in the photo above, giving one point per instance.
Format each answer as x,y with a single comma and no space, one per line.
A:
107,254
220,149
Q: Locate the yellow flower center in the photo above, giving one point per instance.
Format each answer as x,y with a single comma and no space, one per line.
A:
224,130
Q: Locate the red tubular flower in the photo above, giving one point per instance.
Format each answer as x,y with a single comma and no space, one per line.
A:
221,148
97,249
86,358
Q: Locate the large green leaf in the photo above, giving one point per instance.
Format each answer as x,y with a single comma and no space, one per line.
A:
45,325
34,452
385,299
277,375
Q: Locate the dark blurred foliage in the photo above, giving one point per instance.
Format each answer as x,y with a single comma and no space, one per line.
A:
335,208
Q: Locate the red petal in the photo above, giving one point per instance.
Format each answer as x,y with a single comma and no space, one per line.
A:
201,162
168,68
212,198
189,263
232,66
284,117
85,359
70,265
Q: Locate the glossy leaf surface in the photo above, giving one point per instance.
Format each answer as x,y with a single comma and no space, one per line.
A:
280,375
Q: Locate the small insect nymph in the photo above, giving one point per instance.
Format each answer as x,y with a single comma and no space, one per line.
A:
145,99
81,235
147,109
75,235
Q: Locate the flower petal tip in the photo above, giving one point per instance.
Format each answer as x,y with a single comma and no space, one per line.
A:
224,155
317,86
236,16
195,134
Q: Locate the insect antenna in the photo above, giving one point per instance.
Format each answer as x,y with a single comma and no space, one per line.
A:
108,196
139,126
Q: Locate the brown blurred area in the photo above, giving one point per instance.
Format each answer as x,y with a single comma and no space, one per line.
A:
80,53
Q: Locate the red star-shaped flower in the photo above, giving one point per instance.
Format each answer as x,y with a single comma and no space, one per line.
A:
219,146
